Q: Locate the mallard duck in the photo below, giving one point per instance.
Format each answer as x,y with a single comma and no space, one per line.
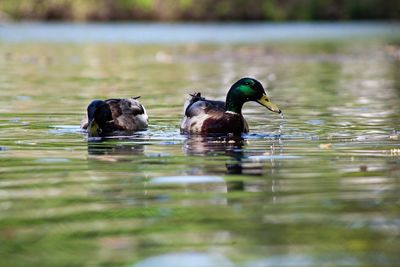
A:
204,116
114,117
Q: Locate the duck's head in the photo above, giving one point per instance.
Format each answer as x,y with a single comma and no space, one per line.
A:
248,89
98,114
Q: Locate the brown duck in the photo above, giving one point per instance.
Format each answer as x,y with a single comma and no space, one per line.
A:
115,117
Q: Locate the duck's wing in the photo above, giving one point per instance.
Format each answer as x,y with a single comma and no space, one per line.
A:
198,105
128,114
202,115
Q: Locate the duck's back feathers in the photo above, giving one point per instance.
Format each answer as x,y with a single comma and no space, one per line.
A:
197,105
204,116
128,114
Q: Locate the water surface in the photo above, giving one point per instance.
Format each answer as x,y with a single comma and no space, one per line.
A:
319,187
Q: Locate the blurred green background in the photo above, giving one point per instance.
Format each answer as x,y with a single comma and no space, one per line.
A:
205,10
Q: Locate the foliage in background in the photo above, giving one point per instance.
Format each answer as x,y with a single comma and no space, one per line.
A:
208,10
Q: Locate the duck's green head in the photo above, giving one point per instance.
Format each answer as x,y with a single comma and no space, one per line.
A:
248,89
98,114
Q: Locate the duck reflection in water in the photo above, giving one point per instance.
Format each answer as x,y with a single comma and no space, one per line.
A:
115,148
231,146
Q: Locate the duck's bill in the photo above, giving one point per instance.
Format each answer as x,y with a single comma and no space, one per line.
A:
266,102
93,129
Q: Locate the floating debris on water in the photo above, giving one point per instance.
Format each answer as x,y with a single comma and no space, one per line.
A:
363,168
325,146
395,152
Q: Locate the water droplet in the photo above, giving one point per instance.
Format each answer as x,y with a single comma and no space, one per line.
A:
281,124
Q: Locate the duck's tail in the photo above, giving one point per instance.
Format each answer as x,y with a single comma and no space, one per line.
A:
196,96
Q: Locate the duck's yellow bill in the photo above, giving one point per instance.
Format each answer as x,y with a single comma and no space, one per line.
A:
93,129
264,100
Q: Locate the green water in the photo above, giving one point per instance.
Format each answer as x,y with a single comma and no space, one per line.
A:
319,187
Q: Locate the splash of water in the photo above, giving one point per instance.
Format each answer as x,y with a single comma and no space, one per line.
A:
281,124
